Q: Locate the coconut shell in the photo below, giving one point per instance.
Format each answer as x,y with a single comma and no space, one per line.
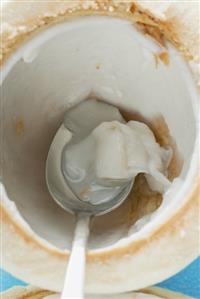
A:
26,255
35,293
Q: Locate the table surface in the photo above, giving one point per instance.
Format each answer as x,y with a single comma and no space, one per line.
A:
186,281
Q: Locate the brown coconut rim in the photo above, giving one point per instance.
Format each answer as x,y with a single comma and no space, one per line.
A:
35,293
175,22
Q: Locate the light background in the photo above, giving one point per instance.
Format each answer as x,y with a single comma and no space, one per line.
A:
187,281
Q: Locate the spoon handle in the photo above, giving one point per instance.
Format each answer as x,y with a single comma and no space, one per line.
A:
74,279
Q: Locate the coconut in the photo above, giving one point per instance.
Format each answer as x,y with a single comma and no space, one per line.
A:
35,293
141,57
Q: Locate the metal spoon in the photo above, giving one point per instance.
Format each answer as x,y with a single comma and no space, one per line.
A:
62,193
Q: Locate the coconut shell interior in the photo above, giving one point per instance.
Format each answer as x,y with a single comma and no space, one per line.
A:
111,60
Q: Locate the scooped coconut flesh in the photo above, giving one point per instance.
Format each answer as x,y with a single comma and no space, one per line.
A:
105,153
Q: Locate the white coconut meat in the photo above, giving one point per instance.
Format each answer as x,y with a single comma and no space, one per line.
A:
105,153
78,153
109,59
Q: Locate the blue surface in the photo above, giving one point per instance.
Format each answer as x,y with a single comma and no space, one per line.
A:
187,281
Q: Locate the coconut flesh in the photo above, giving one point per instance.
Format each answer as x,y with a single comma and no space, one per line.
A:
100,153
110,60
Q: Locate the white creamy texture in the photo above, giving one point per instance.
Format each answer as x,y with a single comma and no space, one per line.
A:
105,153
125,150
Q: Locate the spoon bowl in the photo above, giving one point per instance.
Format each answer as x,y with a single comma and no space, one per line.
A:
58,185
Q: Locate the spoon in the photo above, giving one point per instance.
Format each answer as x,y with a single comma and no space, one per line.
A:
63,194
